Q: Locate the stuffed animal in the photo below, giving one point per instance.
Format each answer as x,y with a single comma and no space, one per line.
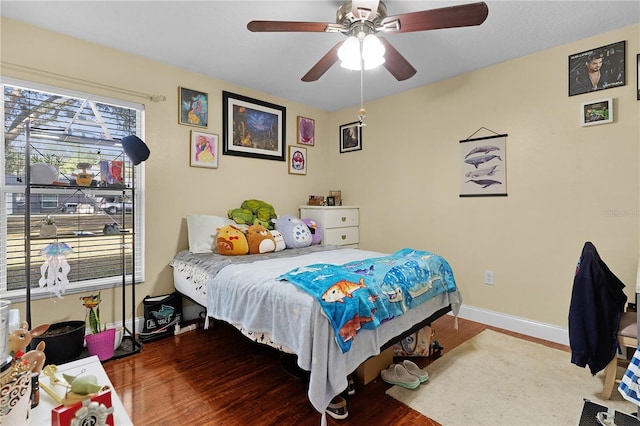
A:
294,231
241,216
316,231
254,212
231,241
260,240
277,237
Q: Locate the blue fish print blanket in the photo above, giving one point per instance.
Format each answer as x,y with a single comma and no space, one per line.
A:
364,294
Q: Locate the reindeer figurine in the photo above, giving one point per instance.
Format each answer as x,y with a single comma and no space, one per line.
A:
19,340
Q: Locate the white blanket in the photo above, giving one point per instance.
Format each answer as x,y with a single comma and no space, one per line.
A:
249,295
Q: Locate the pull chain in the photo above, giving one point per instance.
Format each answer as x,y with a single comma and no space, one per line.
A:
363,112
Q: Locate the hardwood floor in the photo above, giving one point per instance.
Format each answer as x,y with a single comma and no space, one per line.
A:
219,377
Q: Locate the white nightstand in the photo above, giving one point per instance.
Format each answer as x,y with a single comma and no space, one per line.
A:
41,415
340,224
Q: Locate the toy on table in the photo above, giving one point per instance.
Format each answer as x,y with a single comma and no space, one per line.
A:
19,340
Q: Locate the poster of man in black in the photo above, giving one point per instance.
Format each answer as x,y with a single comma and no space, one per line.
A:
597,69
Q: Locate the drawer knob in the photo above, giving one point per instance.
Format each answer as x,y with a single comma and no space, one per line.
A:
344,218
344,237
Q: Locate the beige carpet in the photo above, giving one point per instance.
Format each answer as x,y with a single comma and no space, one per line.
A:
496,379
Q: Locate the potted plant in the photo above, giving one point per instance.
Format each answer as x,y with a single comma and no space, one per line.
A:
48,228
100,341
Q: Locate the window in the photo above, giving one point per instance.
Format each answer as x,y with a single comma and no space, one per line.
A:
71,135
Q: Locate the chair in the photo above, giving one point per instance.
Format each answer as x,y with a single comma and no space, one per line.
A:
628,338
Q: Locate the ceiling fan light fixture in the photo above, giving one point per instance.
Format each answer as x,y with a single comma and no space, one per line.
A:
372,53
372,49
349,53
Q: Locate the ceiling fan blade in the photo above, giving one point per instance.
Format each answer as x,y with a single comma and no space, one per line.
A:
395,63
287,26
364,9
323,65
465,15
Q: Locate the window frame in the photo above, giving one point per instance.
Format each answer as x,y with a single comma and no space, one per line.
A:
8,191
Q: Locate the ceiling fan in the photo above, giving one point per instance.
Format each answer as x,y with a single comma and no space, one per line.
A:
360,18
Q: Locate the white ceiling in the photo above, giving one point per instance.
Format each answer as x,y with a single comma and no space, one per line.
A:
211,38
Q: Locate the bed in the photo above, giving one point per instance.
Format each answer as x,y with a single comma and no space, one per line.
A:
245,291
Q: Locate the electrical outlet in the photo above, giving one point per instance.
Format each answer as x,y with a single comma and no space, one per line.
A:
488,277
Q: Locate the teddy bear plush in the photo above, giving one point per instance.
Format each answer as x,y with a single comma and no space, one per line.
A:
260,240
231,241
295,232
316,231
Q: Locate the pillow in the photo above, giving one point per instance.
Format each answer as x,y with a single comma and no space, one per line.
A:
202,231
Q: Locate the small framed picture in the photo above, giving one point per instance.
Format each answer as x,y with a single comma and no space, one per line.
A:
598,112
337,196
204,150
193,107
297,160
331,201
306,131
350,137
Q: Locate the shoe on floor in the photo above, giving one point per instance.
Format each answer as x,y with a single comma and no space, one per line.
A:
338,408
351,386
397,374
413,369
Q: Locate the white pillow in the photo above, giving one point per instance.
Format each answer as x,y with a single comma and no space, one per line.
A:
203,231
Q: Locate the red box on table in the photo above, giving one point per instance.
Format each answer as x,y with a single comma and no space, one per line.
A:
62,415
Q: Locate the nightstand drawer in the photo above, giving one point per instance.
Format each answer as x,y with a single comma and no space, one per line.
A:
340,218
340,236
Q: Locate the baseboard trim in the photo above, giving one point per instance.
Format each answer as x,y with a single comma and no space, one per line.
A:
526,326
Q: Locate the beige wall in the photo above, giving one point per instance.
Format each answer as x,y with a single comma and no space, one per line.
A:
566,184
173,189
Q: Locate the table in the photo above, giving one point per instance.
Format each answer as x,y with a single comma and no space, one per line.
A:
41,415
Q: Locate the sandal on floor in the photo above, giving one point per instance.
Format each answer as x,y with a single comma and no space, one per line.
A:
414,370
338,408
396,374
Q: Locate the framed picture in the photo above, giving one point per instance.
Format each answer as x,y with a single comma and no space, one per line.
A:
350,137
337,196
638,76
194,107
204,150
306,131
483,166
253,128
297,160
598,112
597,69
331,201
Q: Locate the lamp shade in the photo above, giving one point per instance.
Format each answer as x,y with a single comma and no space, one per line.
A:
349,53
372,53
135,149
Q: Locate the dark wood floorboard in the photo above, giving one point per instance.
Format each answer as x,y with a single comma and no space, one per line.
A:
219,377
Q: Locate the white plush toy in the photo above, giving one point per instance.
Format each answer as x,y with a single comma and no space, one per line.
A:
277,236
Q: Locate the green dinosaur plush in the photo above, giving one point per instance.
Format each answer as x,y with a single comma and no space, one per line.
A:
262,212
241,215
